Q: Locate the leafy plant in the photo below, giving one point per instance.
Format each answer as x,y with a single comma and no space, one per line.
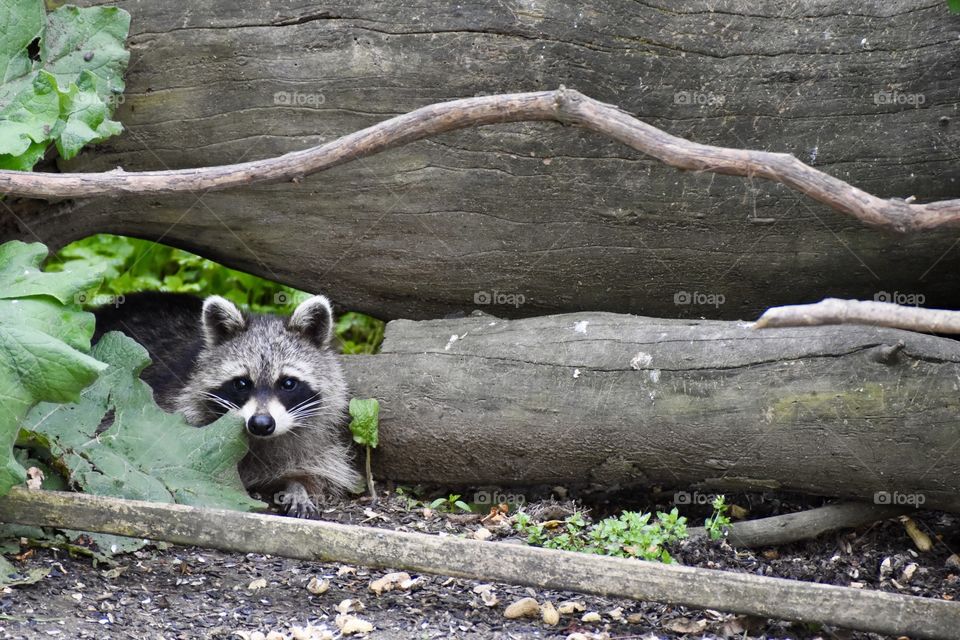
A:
450,504
44,343
131,264
365,427
411,502
631,535
954,5
359,334
62,78
716,525
58,393
145,454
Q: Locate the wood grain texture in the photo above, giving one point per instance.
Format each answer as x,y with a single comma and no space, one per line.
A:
489,561
570,222
610,400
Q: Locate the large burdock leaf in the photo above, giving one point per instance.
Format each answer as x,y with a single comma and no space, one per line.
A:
66,93
145,453
43,339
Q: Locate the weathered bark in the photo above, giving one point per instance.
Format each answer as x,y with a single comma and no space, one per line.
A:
567,221
614,400
543,568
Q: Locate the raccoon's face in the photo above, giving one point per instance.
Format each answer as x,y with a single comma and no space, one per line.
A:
278,374
269,407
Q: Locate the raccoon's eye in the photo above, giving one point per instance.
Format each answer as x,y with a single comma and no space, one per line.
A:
242,384
288,384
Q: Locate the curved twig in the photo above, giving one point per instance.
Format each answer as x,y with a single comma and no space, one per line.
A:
881,314
563,105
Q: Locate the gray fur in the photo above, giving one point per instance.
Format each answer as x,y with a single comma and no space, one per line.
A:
303,463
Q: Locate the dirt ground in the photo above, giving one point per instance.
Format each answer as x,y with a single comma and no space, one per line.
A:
179,592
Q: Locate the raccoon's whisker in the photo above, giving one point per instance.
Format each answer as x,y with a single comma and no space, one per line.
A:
310,399
226,404
219,400
302,417
310,414
307,408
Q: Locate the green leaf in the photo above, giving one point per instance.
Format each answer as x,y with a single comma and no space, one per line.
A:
42,344
20,275
146,454
31,117
10,576
86,118
365,421
954,5
87,40
68,95
23,21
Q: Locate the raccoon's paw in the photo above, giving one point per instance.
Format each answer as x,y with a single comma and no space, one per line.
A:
296,502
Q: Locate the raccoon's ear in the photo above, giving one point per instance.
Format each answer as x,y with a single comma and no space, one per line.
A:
314,319
221,320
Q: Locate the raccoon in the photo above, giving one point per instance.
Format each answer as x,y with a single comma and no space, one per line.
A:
280,374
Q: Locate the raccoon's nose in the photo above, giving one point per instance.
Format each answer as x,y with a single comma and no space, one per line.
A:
261,424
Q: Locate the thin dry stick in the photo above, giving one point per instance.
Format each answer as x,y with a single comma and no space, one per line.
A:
866,610
881,314
803,525
563,105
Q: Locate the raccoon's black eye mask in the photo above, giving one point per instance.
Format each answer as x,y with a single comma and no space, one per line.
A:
233,392
296,394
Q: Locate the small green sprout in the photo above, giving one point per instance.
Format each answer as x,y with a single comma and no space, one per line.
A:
450,504
365,427
716,525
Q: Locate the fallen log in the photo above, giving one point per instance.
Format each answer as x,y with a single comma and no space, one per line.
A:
564,220
803,525
543,568
623,401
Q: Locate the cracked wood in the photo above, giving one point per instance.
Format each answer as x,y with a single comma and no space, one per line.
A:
606,400
569,221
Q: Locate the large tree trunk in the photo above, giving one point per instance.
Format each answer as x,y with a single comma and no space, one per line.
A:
568,221
615,400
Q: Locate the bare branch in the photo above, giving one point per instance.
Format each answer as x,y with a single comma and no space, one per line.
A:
563,105
803,525
880,314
